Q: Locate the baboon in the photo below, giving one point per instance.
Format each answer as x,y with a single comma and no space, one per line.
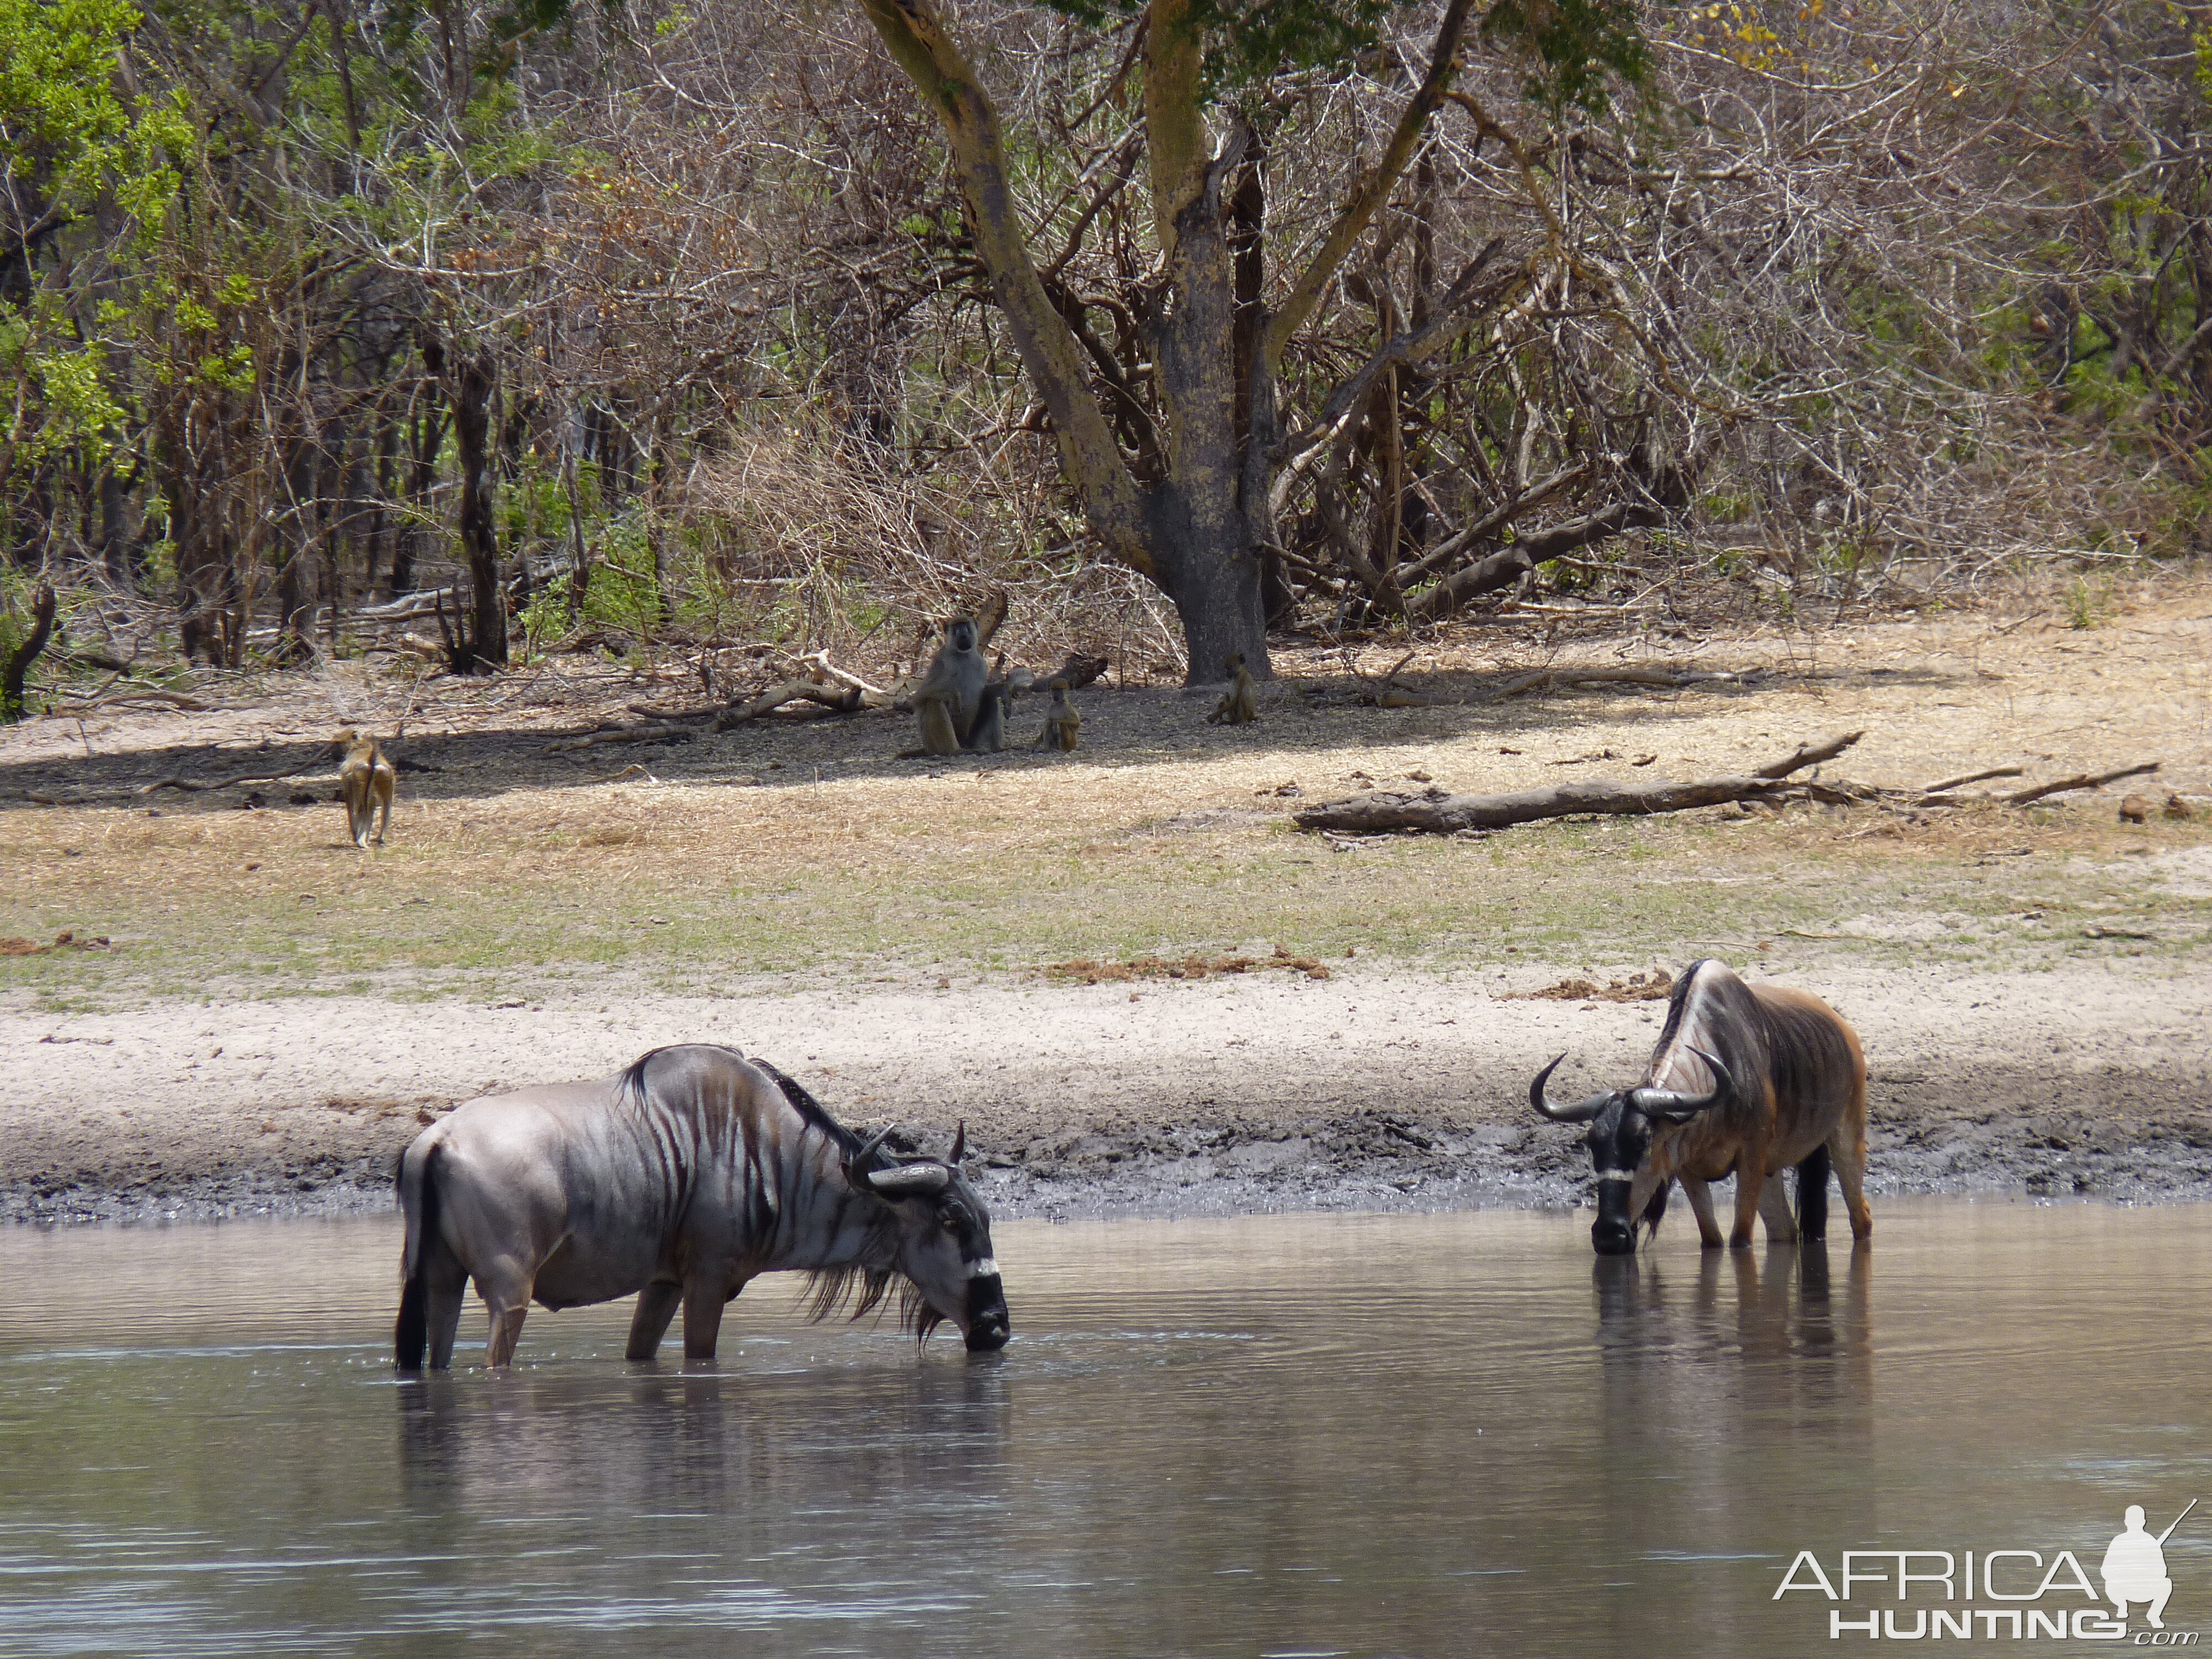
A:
2135,808
1061,722
989,736
2176,808
952,694
366,780
1239,705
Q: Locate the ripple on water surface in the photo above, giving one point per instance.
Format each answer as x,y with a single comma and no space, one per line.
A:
1358,1435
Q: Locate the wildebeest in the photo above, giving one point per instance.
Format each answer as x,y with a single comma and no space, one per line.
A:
681,1178
1743,1080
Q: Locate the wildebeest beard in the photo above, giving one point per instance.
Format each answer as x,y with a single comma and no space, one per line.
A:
863,1289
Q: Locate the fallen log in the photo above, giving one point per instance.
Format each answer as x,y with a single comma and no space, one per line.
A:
141,693
1434,812
2085,781
1667,678
839,699
623,734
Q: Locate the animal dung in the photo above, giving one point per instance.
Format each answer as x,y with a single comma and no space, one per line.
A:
62,941
1636,987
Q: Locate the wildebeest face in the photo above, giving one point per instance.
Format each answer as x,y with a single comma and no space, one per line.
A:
1618,1137
945,1246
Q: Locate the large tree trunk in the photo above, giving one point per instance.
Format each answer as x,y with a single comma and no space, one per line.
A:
1199,530
469,383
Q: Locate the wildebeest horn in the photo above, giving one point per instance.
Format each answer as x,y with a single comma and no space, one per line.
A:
1666,1103
1580,1112
903,1179
864,1160
959,1143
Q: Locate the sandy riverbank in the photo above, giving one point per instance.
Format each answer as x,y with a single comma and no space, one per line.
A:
1370,1090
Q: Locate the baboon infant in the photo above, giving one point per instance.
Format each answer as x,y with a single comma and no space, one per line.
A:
1061,722
989,735
1239,704
365,779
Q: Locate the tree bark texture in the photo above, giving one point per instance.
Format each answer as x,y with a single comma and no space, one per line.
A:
20,659
468,383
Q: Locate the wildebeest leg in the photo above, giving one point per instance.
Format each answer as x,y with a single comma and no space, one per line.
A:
1750,1187
1774,1211
1701,1205
704,1298
506,1292
656,1306
447,1283
1847,1151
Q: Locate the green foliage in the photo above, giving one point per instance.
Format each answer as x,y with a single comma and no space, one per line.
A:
2088,604
16,588
1255,39
623,594
1572,48
545,619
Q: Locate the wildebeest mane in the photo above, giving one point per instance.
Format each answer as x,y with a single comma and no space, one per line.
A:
1677,1001
816,1114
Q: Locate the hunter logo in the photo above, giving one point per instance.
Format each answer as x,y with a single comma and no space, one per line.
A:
2004,1595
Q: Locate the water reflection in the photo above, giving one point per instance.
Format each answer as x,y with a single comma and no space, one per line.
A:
1371,1434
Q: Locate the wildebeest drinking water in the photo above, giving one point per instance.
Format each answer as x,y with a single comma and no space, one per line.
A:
680,1178
1743,1080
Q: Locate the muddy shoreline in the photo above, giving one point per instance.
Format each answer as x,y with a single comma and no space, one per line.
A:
2109,1134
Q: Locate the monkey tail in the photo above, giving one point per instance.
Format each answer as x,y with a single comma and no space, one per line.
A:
1812,1193
418,1200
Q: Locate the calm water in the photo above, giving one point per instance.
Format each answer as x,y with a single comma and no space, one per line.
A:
1431,1435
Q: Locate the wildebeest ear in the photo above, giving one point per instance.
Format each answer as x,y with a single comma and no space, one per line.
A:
863,1161
910,1180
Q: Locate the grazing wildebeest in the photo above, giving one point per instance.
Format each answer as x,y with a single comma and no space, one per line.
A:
680,1178
1744,1080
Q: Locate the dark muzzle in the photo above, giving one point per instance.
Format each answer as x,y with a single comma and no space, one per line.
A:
988,1327
1614,1232
1610,1235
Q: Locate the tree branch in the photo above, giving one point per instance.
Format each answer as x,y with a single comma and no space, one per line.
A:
1373,189
918,41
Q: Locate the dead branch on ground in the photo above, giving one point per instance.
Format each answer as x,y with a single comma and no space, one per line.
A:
2084,781
1438,812
1666,679
649,733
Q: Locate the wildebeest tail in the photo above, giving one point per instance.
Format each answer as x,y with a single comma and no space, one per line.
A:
1813,1194
418,1202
